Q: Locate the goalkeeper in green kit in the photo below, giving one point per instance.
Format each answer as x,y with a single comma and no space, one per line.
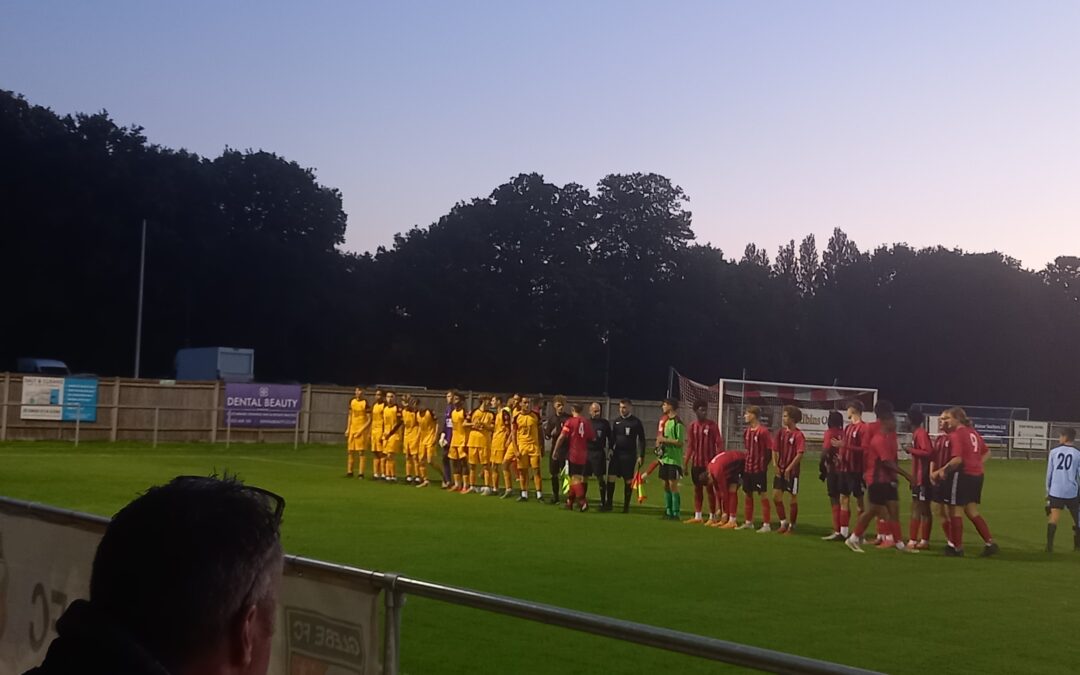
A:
669,448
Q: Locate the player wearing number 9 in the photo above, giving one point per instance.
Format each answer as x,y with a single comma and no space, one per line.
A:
963,476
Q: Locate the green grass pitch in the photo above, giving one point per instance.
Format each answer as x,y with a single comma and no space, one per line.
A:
884,610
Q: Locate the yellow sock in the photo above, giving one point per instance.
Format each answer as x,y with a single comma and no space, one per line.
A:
506,478
363,461
538,482
349,463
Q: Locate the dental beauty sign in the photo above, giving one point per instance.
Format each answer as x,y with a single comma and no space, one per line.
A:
262,405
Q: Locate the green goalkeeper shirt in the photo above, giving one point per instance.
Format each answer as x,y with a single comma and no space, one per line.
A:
675,430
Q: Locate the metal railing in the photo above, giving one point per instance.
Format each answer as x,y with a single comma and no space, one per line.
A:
395,587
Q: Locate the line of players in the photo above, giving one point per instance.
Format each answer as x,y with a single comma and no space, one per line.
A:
484,448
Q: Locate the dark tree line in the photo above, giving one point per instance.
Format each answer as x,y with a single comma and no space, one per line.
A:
536,286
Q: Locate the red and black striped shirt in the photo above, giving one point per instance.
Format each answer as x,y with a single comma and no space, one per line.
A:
921,450
790,443
703,443
758,443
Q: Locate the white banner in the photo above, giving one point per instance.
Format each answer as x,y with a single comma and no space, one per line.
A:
1030,435
42,398
327,622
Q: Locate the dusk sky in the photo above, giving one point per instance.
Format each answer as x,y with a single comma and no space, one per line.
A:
933,123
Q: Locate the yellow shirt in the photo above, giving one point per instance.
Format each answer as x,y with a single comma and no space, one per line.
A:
377,421
428,428
412,428
501,435
527,432
359,418
480,434
391,415
457,420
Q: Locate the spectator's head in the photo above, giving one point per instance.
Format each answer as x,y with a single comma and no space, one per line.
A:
191,570
626,407
836,420
1067,436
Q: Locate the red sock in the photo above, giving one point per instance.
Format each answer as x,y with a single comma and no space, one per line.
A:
946,527
836,517
956,530
927,523
845,518
881,527
712,501
983,528
794,513
748,508
913,529
766,510
732,503
898,533
698,495
780,509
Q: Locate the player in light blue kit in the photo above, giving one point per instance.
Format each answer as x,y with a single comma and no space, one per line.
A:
1063,487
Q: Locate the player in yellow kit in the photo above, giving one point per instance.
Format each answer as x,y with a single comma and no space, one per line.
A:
481,426
377,433
393,436
500,439
412,440
357,433
458,443
429,433
526,438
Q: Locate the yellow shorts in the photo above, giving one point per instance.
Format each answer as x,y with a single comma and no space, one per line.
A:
498,455
356,443
529,460
376,442
457,452
392,448
412,449
479,455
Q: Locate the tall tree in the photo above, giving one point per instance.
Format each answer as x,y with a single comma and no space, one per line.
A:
786,267
809,271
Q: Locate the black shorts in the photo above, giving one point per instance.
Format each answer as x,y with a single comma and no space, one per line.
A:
699,475
1069,505
734,473
851,484
962,489
578,469
784,485
833,483
921,493
596,465
623,465
883,493
670,472
754,482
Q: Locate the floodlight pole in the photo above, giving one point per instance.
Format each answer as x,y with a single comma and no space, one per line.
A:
138,320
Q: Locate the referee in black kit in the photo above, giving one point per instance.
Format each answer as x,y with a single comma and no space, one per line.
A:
627,452
598,454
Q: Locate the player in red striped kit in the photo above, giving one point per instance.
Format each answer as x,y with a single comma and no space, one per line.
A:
703,442
723,475
852,464
940,456
830,469
921,449
964,473
881,409
880,474
577,431
758,443
787,460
